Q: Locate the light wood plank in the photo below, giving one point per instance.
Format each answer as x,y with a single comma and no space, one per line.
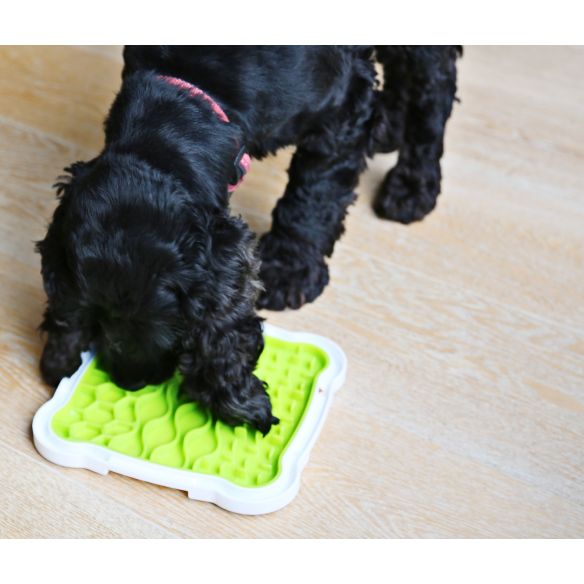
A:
39,501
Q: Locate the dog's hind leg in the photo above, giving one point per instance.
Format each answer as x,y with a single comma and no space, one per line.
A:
412,110
308,219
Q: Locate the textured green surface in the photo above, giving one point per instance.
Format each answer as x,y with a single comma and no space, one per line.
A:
157,424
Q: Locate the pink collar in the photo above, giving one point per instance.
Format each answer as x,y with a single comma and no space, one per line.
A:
242,161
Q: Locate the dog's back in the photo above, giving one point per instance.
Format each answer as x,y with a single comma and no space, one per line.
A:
275,93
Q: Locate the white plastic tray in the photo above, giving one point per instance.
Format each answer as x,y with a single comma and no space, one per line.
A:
225,494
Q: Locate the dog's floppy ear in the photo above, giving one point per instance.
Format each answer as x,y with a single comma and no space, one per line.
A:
56,274
66,339
223,269
53,257
74,171
223,338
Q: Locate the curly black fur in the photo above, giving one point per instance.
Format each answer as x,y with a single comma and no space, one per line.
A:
143,259
416,102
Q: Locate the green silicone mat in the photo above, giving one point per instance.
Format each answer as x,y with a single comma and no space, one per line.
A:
159,425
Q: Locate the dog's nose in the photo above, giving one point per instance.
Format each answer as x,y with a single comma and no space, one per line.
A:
131,386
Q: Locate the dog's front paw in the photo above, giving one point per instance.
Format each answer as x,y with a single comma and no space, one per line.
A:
58,361
407,195
256,410
244,403
292,274
265,422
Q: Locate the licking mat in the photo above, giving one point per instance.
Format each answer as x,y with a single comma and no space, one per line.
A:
155,434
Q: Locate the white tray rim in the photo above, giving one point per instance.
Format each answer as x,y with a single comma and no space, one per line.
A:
221,492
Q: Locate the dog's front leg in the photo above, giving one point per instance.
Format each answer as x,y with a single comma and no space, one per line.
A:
308,219
307,222
218,374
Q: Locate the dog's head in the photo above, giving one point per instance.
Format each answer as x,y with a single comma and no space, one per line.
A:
140,265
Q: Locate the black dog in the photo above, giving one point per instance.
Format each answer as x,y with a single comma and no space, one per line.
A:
143,259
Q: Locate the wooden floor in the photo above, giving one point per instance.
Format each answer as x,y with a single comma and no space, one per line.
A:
463,410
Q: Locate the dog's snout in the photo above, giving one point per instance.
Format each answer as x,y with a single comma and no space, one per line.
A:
133,386
127,381
135,378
